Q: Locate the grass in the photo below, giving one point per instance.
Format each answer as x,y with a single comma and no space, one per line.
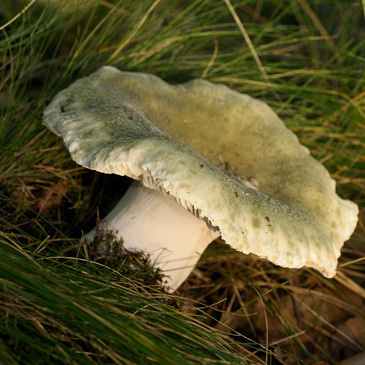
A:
59,312
305,59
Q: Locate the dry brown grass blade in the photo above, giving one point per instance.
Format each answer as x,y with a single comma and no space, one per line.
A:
15,245
301,71
255,13
211,61
353,101
266,325
329,298
285,339
330,325
350,284
319,26
242,304
18,15
247,39
237,80
134,32
156,48
344,108
353,262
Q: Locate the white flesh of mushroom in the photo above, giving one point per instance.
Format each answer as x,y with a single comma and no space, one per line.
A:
154,223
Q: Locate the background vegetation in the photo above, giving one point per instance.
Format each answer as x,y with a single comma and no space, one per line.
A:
304,58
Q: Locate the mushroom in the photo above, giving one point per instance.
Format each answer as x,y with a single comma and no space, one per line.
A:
210,162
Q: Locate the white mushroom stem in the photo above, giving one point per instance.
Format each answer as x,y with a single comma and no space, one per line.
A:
151,222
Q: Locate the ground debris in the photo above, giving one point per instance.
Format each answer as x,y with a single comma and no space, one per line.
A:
108,250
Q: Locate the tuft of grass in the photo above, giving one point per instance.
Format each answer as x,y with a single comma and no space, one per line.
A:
305,59
61,311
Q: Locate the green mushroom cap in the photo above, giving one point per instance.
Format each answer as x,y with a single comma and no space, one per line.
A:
224,156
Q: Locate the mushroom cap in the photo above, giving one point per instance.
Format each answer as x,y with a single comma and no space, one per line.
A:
202,144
